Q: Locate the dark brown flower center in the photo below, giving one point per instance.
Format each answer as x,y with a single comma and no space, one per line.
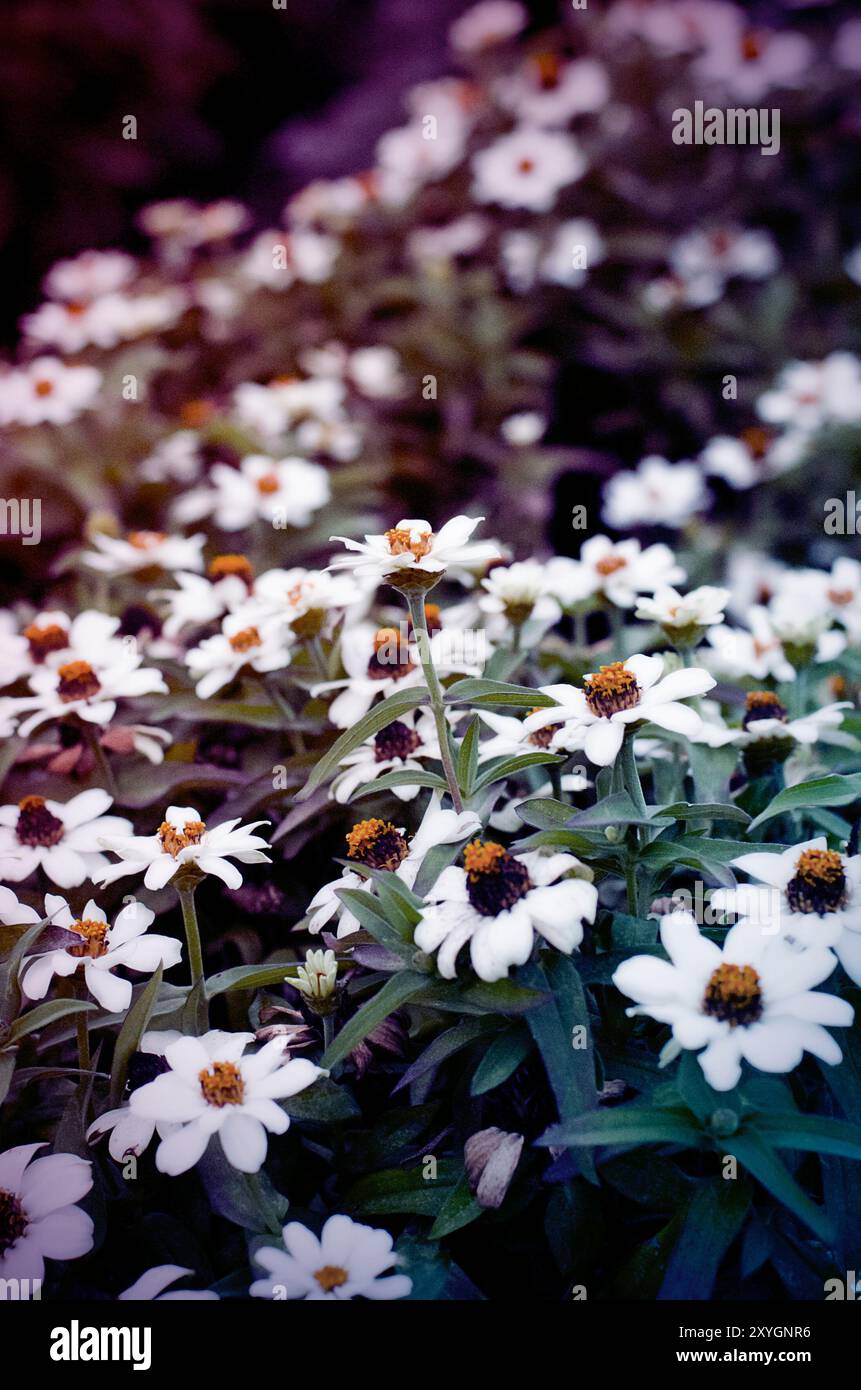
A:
762,704
42,640
396,740
819,883
378,844
13,1220
734,995
94,943
173,841
495,880
391,657
611,689
542,738
78,681
222,1084
36,825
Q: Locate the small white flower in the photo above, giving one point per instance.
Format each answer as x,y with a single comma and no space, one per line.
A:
346,1261
520,592
89,276
61,838
527,169
39,1218
655,493
756,455
623,693
497,902
617,572
754,998
211,1088
766,721
317,977
89,689
283,492
523,429
548,92
577,245
399,747
150,1287
304,599
760,652
202,599
240,645
48,392
746,61
809,395
486,24
130,1134
182,840
724,252
413,546
145,550
684,618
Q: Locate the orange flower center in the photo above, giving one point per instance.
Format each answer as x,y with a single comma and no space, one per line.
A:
42,640
245,640
146,540
94,943
734,995
611,689
78,681
173,841
224,566
331,1277
268,484
402,542
610,564
222,1084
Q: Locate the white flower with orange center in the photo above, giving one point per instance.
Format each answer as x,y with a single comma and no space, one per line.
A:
520,593
548,90
145,552
655,493
413,553
487,24
754,998
684,619
262,647
202,599
761,651
89,276
347,1260
130,1134
809,894
618,695
47,392
281,492
767,728
89,689
613,571
498,901
306,599
401,746
39,1218
61,838
212,1088
100,950
181,842
527,168
809,395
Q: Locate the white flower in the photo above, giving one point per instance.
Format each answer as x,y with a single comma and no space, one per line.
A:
130,1133
347,1261
304,599
277,259
809,894
615,572
753,998
240,645
758,454
399,747
145,550
101,950
520,591
548,92
175,459
524,428
488,23
376,371
202,599
150,1287
808,395
461,237
724,252
211,1088
317,977
576,246
61,838
655,493
413,546
843,594
183,840
527,168
283,492
89,276
766,721
684,618
747,61
496,903
38,1216
46,391
623,693
89,689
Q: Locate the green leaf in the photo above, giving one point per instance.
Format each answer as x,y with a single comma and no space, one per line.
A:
714,1217
324,1103
544,813
467,758
495,693
570,1070
510,767
445,1045
10,990
821,791
625,1124
706,810
369,912
500,1061
390,997
50,1012
809,1133
404,778
617,809
459,1209
400,1191
132,1031
501,997
386,712
247,977
763,1163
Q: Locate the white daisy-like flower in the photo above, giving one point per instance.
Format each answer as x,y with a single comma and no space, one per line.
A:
150,1287
130,1134
527,168
181,841
282,492
62,838
524,428
88,689
726,252
413,547
754,998
203,599
175,459
277,259
684,619
615,572
747,61
766,723
576,247
486,24
89,276
102,948
145,550
47,392
843,594
400,747
547,91
211,1088
808,395
618,695
655,493
759,652
809,894
520,592
497,901
305,599
757,454
348,1260
241,645
39,1218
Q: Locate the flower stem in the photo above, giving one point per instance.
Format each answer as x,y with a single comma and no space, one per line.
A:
83,1029
630,774
328,1031
420,628
192,934
103,766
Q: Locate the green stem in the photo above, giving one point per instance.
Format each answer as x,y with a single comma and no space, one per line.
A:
103,767
631,887
617,627
192,934
630,774
420,628
83,1028
328,1031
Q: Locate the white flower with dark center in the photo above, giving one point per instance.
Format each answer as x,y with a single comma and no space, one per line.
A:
747,61
613,571
486,24
378,662
655,493
724,252
241,645
527,168
101,949
547,91
282,492
809,894
346,1261
89,276
147,551
129,1133
520,592
150,1287
181,842
684,619
754,998
413,548
809,395
88,689
211,1088
766,725
615,697
39,1218
399,747
47,392
62,838
497,901
202,599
